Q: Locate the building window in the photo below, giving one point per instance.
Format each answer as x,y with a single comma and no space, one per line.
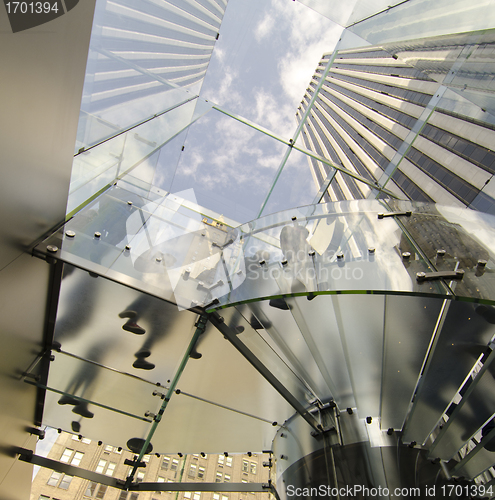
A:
59,480
66,455
218,478
65,483
124,495
101,466
110,469
95,490
192,470
165,463
76,459
160,479
228,461
221,460
146,458
43,497
175,464
245,466
216,496
252,468
201,472
54,478
226,478
195,496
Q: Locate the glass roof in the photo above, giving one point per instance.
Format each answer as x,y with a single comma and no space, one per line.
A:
203,94
188,131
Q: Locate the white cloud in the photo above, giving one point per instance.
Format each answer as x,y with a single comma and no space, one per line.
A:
264,28
311,35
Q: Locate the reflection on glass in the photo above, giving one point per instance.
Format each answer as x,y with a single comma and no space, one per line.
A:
95,168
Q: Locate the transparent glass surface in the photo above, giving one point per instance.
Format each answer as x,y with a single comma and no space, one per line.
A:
464,336
475,411
223,376
209,428
360,321
329,251
420,18
258,336
264,59
320,325
116,326
458,102
95,168
109,426
293,188
281,333
142,58
98,385
350,12
409,326
228,164
466,237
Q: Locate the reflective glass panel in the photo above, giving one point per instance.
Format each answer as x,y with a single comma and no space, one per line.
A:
95,168
228,164
464,335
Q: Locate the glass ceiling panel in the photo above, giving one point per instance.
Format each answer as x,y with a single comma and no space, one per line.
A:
95,168
422,18
264,58
229,165
320,252
143,56
293,188
348,13
224,377
96,321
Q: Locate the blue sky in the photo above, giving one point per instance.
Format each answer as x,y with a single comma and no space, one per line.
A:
261,66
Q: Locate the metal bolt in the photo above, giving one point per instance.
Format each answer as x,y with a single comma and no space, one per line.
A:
420,275
128,247
52,248
262,262
482,263
129,202
284,262
158,259
340,256
97,234
294,218
312,253
371,250
441,252
70,233
406,255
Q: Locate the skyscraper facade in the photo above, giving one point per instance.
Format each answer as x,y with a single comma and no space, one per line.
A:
385,113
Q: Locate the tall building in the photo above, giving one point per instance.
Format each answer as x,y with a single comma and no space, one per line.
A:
110,460
385,113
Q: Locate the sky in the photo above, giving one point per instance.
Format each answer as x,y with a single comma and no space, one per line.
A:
261,66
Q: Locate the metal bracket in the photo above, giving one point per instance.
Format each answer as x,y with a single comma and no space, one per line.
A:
407,213
449,275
